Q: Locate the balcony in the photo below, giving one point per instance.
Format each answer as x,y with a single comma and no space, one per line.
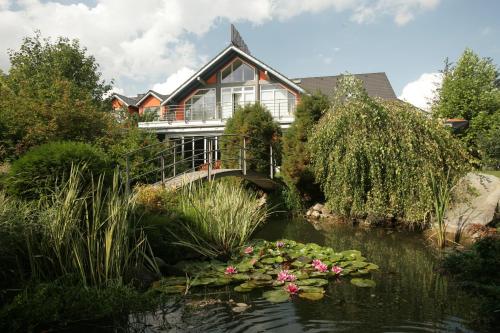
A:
219,112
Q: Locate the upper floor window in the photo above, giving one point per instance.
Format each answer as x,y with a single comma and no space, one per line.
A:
238,71
201,106
151,113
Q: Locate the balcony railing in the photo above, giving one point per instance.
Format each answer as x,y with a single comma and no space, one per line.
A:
279,109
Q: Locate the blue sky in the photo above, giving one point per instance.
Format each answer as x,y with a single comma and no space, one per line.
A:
155,43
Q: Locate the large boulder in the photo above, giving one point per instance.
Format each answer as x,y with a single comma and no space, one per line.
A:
478,201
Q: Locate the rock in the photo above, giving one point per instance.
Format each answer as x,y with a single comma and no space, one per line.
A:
315,214
318,207
241,304
479,200
325,211
309,212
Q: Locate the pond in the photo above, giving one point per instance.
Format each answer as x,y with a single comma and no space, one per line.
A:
410,295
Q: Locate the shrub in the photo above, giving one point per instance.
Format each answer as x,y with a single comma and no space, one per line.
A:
296,169
375,158
255,122
218,218
36,172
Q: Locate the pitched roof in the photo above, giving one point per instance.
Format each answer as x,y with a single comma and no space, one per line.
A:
128,101
217,59
150,92
376,84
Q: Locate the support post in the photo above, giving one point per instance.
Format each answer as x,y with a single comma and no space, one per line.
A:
244,155
209,169
175,158
192,152
127,176
205,150
271,160
182,147
162,162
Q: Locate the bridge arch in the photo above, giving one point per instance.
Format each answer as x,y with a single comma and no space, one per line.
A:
172,165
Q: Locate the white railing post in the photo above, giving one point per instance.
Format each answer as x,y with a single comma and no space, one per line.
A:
209,169
175,157
244,155
271,162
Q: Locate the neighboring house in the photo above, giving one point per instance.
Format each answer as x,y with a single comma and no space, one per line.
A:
234,77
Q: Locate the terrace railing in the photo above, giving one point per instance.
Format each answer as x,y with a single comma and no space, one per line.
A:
279,109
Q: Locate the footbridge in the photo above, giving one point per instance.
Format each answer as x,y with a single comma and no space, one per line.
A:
174,163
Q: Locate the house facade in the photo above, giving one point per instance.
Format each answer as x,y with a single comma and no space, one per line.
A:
233,78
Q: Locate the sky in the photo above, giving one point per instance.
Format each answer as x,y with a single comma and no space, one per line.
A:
157,44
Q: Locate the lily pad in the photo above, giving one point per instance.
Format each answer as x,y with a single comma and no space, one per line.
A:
240,276
276,296
372,267
171,289
312,282
269,260
241,290
312,296
261,276
311,289
358,264
363,283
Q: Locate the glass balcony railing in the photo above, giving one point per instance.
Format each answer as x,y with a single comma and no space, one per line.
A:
279,109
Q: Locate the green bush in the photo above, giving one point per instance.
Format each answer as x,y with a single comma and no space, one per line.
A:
37,171
64,304
376,157
256,123
296,169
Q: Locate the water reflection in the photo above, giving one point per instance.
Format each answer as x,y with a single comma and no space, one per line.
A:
410,295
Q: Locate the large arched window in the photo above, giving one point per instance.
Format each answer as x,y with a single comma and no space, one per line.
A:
278,100
238,71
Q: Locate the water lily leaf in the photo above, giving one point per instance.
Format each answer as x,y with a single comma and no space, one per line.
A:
276,296
364,283
278,259
311,296
248,285
311,289
297,264
336,257
351,254
312,282
313,274
170,281
358,264
372,266
240,276
241,290
303,259
261,276
301,275
222,281
269,260
363,271
203,281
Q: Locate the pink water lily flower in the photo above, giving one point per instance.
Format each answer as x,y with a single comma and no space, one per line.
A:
337,270
231,270
292,288
280,244
316,262
249,250
321,267
286,276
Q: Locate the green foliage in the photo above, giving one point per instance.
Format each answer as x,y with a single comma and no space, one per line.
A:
374,158
296,160
63,304
476,270
37,171
218,218
53,91
86,232
255,122
470,90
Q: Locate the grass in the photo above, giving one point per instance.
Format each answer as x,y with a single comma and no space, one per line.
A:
218,218
77,230
495,173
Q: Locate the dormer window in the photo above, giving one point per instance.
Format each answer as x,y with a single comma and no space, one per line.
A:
238,71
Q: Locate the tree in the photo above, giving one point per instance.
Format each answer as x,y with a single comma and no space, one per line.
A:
53,91
470,90
375,158
256,123
296,169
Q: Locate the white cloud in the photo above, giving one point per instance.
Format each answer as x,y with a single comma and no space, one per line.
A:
142,42
174,81
403,11
422,91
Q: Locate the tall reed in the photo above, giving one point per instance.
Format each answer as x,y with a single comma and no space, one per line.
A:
218,218
87,232
441,194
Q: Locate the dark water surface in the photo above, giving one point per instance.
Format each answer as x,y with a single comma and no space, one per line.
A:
410,296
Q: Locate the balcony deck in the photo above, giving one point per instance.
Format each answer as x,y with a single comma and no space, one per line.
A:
210,119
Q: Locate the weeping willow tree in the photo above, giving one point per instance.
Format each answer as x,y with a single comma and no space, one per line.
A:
377,158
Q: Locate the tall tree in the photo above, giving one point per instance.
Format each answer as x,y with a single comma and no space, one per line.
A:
470,90
52,91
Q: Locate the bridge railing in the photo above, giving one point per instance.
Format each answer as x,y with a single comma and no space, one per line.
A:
170,159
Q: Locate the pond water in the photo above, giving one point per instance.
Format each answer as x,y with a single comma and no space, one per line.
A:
410,296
